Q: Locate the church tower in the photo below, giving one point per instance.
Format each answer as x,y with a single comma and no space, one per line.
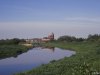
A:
51,36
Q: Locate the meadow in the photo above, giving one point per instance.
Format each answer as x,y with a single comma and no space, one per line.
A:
85,62
11,48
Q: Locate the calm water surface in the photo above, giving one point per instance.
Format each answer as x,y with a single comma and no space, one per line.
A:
32,59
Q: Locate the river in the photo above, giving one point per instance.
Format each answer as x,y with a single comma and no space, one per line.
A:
32,59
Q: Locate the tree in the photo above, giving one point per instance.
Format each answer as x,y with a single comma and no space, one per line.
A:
67,38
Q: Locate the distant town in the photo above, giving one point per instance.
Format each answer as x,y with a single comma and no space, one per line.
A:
50,37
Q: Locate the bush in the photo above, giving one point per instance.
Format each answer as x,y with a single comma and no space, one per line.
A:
11,41
70,39
94,37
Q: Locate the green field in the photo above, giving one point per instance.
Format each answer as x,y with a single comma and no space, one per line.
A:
11,50
11,47
85,62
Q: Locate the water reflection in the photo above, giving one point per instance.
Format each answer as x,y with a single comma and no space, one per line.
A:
48,47
31,59
4,55
17,53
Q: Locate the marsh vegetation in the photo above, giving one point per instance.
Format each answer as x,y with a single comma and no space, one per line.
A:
11,47
85,62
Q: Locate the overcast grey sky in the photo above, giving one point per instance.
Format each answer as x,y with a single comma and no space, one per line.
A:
38,18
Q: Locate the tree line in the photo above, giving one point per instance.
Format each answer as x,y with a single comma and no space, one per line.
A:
11,41
66,38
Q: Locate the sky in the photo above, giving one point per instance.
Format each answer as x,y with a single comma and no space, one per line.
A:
38,18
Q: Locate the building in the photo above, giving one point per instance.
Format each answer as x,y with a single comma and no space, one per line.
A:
50,37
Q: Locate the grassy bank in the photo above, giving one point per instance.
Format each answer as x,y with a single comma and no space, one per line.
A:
85,62
12,50
12,47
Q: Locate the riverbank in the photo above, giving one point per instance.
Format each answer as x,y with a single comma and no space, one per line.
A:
85,62
12,50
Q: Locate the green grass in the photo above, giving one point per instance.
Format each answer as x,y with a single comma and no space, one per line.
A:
85,62
11,50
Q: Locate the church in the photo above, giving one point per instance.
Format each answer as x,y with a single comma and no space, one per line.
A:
50,37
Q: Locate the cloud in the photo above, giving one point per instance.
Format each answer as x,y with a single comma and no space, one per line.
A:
85,19
42,28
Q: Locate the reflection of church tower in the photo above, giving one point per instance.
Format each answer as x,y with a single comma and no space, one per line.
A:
51,36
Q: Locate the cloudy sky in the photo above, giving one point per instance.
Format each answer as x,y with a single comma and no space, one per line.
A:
38,18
